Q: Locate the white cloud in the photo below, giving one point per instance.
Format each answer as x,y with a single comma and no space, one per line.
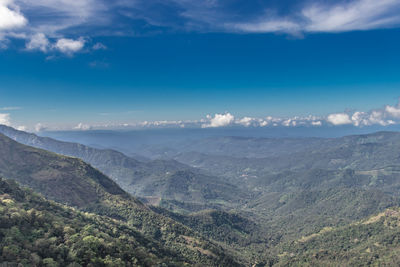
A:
83,127
386,116
40,127
161,123
5,119
246,121
393,111
10,16
38,41
54,16
21,128
68,46
51,20
327,17
376,117
289,122
339,119
99,46
353,15
219,120
275,25
360,118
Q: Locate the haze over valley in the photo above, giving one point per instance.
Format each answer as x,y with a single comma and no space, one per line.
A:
255,197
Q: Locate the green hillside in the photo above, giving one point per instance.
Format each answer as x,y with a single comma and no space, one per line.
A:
34,231
71,181
152,180
374,241
230,209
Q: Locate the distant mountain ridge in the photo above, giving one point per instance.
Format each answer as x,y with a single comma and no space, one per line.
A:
48,172
73,182
157,178
268,210
358,152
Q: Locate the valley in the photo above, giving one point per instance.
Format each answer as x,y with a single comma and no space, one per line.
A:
251,209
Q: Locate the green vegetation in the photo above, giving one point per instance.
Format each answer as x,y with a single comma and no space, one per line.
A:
57,181
283,202
34,231
163,179
374,241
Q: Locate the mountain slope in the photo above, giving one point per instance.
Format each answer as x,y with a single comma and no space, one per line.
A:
34,231
290,196
374,241
157,179
71,181
63,179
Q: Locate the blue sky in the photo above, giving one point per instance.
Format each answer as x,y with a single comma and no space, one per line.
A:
211,63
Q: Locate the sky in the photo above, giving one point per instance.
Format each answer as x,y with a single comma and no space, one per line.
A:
92,64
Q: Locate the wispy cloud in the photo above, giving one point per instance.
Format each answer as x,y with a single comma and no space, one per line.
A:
317,16
101,65
51,25
10,108
99,46
353,15
38,41
55,17
297,17
266,26
61,25
40,127
83,127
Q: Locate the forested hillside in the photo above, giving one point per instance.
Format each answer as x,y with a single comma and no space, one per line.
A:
157,179
373,241
71,181
240,210
35,231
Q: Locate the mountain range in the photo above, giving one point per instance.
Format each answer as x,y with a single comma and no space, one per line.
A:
74,183
152,181
250,200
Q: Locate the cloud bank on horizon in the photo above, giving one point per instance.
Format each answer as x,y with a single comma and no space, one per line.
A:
388,115
68,26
